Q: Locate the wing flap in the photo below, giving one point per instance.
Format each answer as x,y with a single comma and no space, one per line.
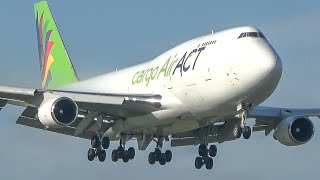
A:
265,124
29,112
65,130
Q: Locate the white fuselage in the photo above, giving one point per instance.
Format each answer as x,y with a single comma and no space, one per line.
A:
200,81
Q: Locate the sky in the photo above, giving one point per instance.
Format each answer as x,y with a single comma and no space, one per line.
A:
104,35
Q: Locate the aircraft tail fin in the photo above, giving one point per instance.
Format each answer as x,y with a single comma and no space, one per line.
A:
55,65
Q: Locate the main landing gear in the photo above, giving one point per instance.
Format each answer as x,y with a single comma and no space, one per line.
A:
122,153
162,158
243,110
158,155
98,147
205,156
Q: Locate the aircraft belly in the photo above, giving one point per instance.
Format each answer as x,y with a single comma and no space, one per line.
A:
160,118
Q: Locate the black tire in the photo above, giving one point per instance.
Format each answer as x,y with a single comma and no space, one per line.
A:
157,153
274,136
209,163
162,160
198,163
102,155
105,142
247,132
91,154
203,151
168,154
114,156
120,151
152,158
237,132
131,152
95,142
125,157
213,150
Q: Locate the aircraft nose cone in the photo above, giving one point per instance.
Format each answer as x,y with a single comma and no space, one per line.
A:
278,66
270,64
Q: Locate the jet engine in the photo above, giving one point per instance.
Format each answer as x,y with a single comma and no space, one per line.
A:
58,112
294,131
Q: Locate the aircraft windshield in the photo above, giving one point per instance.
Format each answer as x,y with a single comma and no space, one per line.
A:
252,34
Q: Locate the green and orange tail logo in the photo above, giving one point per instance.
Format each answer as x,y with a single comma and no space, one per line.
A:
55,65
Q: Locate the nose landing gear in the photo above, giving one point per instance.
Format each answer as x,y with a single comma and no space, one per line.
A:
243,110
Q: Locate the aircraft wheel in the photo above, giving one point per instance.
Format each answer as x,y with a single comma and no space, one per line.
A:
125,157
101,155
209,163
91,154
237,132
162,160
168,155
203,150
198,163
114,156
274,136
152,158
120,151
105,142
157,153
131,153
95,142
213,150
247,132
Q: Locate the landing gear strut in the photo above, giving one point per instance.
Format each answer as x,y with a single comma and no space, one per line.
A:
98,147
243,110
158,155
122,153
205,156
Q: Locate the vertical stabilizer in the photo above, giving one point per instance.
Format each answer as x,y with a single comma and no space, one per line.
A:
55,65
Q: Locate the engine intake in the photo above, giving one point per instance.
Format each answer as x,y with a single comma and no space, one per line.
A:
58,112
293,131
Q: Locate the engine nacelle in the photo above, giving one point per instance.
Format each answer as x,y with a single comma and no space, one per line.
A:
294,131
58,112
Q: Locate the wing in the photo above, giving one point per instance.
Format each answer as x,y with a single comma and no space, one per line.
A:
267,118
96,110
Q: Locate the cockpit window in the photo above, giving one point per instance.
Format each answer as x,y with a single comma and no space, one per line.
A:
252,34
261,35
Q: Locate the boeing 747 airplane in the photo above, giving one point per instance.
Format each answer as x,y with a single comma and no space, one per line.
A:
200,92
